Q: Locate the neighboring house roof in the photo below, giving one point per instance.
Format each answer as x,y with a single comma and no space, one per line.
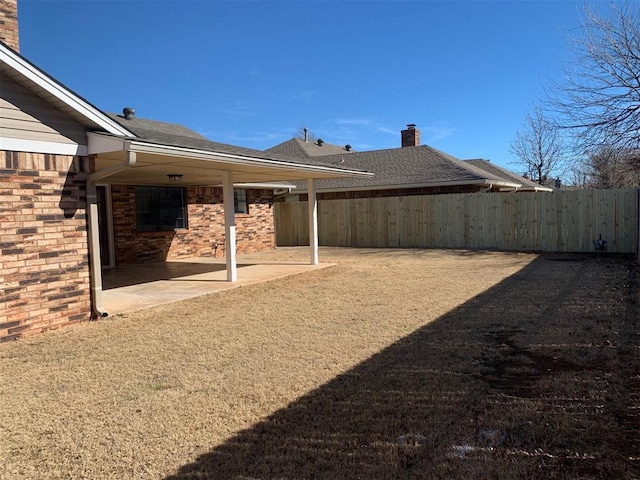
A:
526,184
297,147
406,167
556,184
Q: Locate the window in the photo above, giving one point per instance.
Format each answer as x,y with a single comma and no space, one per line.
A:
160,209
240,201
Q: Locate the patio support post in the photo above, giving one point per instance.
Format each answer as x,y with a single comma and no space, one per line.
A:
313,221
229,225
95,263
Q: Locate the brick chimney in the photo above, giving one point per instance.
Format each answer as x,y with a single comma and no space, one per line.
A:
9,23
411,136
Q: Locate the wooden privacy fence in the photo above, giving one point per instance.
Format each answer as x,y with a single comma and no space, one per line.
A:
561,221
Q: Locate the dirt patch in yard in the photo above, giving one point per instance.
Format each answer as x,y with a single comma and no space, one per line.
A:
393,364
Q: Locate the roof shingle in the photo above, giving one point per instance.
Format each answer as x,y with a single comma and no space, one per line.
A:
176,135
403,167
299,148
494,169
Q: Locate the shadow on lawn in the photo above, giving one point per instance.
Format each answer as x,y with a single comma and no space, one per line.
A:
126,275
526,380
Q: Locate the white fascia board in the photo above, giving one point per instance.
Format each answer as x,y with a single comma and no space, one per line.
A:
98,143
499,183
411,185
56,89
36,146
536,189
265,186
142,147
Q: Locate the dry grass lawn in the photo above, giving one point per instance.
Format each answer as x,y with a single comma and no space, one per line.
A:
392,364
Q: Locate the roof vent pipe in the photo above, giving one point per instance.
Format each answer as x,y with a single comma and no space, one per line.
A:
128,113
306,135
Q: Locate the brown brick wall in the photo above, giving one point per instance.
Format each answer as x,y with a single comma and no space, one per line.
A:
255,231
9,23
44,272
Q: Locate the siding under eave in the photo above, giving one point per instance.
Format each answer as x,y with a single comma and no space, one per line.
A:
25,116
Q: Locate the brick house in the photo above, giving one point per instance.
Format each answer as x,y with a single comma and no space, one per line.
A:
412,169
81,190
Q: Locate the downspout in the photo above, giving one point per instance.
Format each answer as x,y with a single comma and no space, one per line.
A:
95,264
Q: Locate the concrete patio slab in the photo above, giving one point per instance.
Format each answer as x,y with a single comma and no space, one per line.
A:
134,287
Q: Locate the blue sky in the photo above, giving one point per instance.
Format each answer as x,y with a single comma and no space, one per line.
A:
254,73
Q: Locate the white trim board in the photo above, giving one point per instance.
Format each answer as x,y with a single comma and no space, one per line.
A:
37,146
59,91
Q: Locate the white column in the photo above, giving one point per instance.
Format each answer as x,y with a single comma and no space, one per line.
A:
229,226
95,263
313,221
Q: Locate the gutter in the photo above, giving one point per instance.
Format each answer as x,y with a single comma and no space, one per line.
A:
100,143
264,186
95,264
489,183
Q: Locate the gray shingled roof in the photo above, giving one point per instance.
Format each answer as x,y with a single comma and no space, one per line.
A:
403,167
176,135
180,136
297,147
494,169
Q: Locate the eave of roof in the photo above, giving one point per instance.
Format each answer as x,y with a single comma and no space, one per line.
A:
300,188
49,89
203,163
525,183
176,135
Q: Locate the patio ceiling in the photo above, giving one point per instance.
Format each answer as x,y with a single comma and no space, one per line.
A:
155,162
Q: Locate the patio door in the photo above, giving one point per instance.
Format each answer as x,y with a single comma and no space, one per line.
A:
105,225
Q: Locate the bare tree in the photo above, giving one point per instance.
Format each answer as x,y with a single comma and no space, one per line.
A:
612,168
600,96
579,176
539,148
